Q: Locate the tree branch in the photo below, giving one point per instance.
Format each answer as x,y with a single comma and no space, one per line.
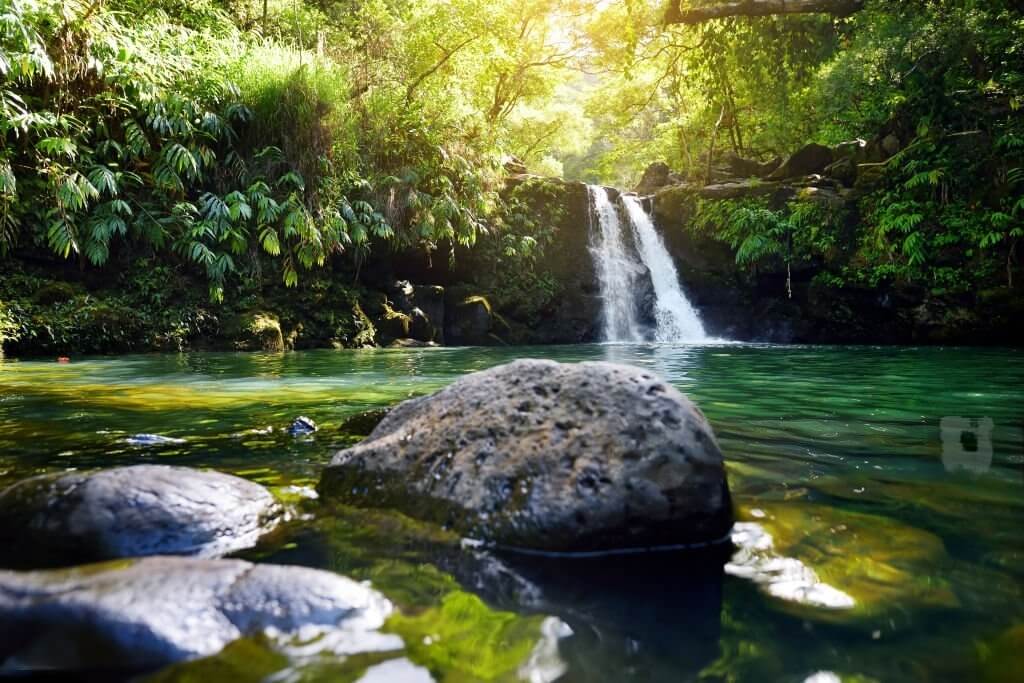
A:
446,55
758,8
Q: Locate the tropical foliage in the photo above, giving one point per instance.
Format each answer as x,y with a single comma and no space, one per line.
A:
243,141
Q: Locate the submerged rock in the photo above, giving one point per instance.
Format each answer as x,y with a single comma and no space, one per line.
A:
302,425
546,456
130,512
407,343
156,611
362,424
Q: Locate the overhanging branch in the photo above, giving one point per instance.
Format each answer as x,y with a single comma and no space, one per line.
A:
757,8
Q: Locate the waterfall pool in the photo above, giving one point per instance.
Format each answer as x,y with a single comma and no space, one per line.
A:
880,493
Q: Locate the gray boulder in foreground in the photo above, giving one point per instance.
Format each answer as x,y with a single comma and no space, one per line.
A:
547,456
130,512
136,614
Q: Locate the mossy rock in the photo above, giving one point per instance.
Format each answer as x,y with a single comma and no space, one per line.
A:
881,563
361,424
255,331
55,293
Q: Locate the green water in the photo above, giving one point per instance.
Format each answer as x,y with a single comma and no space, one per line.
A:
914,535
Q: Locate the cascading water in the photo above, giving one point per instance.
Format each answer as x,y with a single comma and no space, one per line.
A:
617,270
677,320
621,268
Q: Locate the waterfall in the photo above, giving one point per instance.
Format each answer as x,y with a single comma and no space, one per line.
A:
677,320
623,261
617,270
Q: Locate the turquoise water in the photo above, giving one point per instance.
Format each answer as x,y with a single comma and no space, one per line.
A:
890,482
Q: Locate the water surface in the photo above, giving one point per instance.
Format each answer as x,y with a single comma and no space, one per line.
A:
881,494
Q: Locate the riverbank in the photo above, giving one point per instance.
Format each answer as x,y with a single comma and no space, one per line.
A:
139,302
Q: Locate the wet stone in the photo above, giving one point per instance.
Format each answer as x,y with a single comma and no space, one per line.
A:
74,517
545,456
301,426
139,614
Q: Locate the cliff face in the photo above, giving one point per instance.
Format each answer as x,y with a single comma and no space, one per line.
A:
570,315
748,304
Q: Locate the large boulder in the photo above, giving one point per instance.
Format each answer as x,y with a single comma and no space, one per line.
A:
255,331
547,456
655,177
152,612
129,512
812,158
750,168
739,190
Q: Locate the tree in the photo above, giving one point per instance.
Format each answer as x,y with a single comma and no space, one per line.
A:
684,12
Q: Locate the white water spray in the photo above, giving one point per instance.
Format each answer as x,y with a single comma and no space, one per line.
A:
617,270
677,320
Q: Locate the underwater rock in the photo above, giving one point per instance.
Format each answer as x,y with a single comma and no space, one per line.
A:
361,424
545,456
152,612
407,343
130,512
856,565
302,425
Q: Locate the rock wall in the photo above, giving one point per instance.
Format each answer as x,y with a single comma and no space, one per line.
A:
753,304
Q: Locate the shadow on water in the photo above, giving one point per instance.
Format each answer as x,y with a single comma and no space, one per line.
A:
656,615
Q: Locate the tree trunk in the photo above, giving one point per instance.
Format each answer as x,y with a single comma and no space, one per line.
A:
1010,258
711,147
757,8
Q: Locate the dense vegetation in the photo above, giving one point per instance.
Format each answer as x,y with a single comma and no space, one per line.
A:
185,156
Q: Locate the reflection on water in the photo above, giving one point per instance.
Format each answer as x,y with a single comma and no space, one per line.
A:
880,493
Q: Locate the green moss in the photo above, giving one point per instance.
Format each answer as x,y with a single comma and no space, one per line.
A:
367,334
267,329
464,637
55,292
8,326
400,320
243,661
876,560
255,331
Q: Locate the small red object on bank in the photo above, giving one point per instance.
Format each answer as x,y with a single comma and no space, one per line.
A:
63,359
